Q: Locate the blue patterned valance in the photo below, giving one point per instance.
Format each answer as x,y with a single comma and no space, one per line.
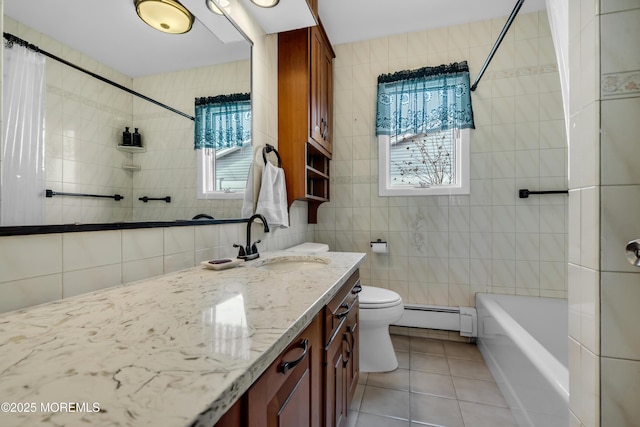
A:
222,121
425,100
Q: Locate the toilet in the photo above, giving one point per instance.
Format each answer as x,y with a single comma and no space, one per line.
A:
378,309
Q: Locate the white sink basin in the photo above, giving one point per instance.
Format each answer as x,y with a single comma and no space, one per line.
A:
293,263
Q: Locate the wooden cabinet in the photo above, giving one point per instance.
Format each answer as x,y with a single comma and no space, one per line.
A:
289,392
321,90
305,114
341,358
311,383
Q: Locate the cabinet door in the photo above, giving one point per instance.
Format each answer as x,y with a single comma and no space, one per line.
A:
317,87
326,98
321,90
336,380
233,417
289,393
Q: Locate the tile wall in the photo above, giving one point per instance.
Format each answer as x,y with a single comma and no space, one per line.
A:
445,249
169,163
84,120
604,182
40,268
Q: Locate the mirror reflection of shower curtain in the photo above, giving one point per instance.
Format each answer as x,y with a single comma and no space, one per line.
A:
22,156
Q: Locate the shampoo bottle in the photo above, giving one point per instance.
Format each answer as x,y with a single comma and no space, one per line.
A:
137,138
126,137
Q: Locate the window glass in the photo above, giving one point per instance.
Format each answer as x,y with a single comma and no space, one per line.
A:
222,142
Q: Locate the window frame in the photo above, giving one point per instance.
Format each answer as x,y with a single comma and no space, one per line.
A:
462,171
201,193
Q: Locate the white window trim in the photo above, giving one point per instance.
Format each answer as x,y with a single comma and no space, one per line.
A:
462,173
211,195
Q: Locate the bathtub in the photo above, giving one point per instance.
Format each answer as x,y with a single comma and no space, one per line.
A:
524,341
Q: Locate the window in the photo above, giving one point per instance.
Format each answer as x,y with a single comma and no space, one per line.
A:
223,145
423,126
223,173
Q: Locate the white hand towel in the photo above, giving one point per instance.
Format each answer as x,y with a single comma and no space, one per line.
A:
272,199
247,202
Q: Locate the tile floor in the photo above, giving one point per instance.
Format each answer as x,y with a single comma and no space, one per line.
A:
438,383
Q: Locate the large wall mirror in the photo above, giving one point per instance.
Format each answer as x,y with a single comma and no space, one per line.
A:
85,117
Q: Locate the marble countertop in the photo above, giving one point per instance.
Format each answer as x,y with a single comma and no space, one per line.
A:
174,350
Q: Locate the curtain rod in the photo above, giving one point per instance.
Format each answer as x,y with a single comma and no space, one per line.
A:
13,39
497,44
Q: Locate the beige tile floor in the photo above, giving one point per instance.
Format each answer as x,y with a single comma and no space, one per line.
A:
438,383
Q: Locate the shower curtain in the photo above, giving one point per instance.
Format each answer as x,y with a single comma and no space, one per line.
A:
22,151
558,13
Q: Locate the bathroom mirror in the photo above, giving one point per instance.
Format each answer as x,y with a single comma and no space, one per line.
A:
85,117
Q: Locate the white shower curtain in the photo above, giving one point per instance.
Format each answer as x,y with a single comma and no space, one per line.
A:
558,13
22,155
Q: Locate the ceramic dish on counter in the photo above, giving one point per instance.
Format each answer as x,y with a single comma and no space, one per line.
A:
221,264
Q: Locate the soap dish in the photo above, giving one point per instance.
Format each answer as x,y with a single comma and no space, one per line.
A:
220,264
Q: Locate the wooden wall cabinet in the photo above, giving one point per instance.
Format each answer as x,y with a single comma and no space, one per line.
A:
305,114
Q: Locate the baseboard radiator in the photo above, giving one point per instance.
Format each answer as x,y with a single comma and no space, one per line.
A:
463,319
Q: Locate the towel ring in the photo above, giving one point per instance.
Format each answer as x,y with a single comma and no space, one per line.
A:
268,149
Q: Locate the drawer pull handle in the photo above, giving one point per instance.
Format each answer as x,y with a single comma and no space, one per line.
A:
349,348
286,366
356,289
342,314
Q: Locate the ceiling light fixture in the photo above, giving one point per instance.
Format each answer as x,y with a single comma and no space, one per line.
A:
168,16
265,3
213,7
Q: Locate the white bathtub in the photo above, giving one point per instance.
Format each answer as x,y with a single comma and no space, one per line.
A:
524,341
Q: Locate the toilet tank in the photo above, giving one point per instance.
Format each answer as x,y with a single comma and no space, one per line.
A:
310,247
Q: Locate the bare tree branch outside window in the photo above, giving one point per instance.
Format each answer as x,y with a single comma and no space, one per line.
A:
430,161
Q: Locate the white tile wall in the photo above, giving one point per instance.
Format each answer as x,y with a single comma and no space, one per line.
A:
622,36
30,256
443,249
603,59
143,269
142,244
619,316
619,157
90,279
88,250
35,290
620,388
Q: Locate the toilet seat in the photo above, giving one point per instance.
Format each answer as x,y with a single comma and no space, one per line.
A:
376,298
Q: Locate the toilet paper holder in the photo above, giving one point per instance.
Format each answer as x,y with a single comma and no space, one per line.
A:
379,247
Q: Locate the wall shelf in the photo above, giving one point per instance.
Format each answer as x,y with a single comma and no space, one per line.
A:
131,148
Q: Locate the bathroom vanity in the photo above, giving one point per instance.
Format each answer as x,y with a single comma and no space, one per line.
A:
243,346
320,365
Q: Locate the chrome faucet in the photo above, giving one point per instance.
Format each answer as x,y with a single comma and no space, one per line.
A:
251,250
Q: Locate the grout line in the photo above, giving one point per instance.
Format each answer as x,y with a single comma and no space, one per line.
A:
410,392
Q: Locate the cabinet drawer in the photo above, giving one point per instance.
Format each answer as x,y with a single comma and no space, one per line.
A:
341,305
286,394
